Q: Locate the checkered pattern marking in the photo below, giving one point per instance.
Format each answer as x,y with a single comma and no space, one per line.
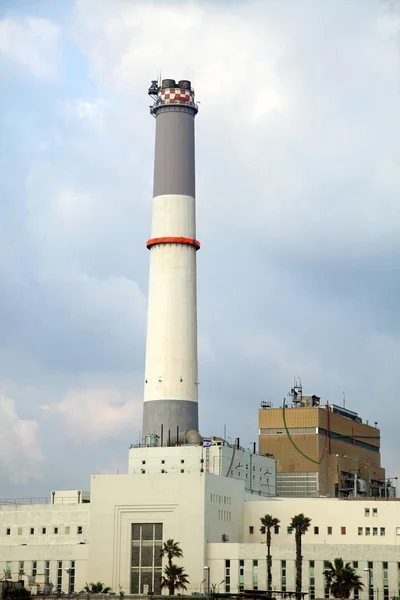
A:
176,96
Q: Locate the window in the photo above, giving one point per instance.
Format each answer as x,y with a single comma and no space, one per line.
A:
374,531
59,576
47,571
182,460
397,530
263,530
143,462
182,470
79,529
329,530
162,470
276,529
316,530
251,529
146,559
241,574
360,531
367,512
21,569
356,592
383,531
374,512
370,565
143,471
163,462
290,530
19,530
227,576
312,579
385,581
8,531
43,530
343,530
67,529
283,575
34,568
367,531
71,580
32,530
255,574
8,570
55,530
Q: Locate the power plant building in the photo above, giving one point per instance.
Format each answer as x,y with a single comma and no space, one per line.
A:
204,493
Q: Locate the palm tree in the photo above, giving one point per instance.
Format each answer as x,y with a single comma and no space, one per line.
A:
174,578
171,550
97,588
342,579
300,524
267,522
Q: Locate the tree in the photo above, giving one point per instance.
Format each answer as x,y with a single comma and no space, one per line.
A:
174,578
267,522
342,579
300,524
171,550
97,588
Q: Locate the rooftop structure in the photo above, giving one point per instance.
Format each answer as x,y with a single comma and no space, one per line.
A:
322,450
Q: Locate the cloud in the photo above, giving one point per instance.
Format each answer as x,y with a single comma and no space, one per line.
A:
21,455
91,415
297,185
33,43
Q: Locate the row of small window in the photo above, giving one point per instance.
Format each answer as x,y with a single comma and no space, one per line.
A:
329,530
374,512
289,530
225,515
220,499
163,461
44,530
143,471
21,569
71,572
385,564
375,530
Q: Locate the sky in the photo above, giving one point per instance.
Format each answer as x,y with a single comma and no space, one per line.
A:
298,214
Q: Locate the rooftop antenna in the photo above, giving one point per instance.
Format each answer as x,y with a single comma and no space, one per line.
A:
296,392
344,400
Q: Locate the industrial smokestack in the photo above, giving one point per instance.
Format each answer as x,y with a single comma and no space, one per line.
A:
171,385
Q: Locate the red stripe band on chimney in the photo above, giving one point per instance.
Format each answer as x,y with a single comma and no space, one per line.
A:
173,240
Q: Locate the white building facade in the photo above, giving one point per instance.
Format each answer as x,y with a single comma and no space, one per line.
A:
116,538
